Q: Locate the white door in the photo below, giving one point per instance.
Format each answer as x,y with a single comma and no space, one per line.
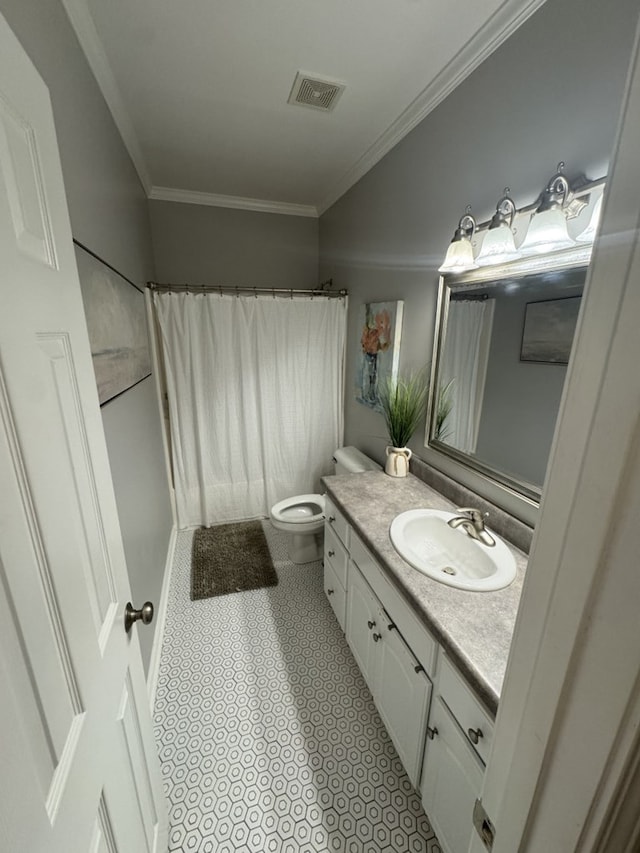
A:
403,693
451,781
362,624
79,768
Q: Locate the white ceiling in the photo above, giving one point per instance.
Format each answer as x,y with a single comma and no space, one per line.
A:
199,88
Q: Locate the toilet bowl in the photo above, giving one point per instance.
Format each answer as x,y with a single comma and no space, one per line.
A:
302,516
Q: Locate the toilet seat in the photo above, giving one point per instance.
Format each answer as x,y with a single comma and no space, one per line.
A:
302,512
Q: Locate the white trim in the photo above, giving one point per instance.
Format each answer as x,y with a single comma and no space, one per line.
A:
85,29
567,724
161,613
488,38
237,202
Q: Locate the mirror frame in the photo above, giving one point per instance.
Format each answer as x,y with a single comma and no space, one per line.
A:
573,257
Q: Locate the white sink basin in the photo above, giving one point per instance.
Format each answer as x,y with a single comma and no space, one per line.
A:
424,539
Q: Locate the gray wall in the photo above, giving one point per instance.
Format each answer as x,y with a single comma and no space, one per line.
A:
109,215
552,91
216,245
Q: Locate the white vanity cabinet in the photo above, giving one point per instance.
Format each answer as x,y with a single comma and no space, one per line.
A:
336,559
399,683
459,738
451,780
443,742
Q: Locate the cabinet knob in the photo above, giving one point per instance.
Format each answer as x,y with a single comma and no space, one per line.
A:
332,518
371,624
331,553
329,592
474,735
377,637
431,732
418,668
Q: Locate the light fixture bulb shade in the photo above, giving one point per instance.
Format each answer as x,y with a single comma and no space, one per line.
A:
498,247
547,232
459,257
589,233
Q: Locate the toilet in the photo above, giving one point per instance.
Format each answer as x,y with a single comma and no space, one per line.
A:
302,516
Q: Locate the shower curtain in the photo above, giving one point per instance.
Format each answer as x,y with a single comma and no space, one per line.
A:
465,359
255,399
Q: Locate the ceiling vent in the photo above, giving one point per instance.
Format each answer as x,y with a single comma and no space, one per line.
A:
309,91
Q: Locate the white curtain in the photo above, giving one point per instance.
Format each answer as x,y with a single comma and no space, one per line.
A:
255,399
466,355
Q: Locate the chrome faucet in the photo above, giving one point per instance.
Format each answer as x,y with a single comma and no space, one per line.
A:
473,525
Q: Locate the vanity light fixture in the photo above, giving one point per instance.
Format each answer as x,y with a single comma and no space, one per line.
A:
547,230
459,257
589,233
498,246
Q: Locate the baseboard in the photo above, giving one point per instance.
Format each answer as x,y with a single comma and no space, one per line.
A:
156,650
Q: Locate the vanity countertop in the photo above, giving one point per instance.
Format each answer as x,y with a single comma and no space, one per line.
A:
474,627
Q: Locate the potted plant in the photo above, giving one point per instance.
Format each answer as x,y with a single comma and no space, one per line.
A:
403,401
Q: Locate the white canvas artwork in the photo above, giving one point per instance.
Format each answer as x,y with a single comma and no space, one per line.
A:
117,325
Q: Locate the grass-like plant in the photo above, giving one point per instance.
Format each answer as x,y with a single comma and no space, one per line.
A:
403,402
445,404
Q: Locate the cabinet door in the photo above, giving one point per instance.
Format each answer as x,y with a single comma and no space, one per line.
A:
402,697
451,781
362,622
334,591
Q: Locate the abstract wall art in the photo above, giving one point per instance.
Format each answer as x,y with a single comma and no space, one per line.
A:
380,328
117,325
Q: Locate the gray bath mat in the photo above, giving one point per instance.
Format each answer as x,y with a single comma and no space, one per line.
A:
230,558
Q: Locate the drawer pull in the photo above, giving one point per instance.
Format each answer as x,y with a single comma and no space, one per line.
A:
332,518
331,553
391,626
475,735
329,592
418,668
371,624
431,732
377,637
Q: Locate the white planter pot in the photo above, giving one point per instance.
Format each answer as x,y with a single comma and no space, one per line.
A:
397,464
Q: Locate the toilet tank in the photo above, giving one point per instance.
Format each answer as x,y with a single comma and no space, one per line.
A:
350,460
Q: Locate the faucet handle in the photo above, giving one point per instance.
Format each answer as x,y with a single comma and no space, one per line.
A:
476,516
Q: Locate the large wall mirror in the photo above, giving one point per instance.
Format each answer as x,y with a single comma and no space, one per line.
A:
503,340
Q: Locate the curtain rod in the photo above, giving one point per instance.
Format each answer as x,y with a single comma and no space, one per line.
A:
236,291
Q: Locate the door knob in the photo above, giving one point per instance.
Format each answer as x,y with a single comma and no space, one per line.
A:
131,615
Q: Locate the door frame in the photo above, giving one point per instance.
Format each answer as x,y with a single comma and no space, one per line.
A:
563,774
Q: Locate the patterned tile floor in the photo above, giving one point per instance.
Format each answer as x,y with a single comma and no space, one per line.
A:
268,735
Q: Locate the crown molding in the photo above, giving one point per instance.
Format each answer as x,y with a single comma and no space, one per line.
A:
233,201
85,29
505,21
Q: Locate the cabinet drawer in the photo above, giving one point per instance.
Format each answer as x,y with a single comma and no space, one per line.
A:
415,633
336,521
335,593
335,554
465,707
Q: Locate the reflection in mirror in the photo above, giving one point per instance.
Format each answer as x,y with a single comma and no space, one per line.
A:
500,362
